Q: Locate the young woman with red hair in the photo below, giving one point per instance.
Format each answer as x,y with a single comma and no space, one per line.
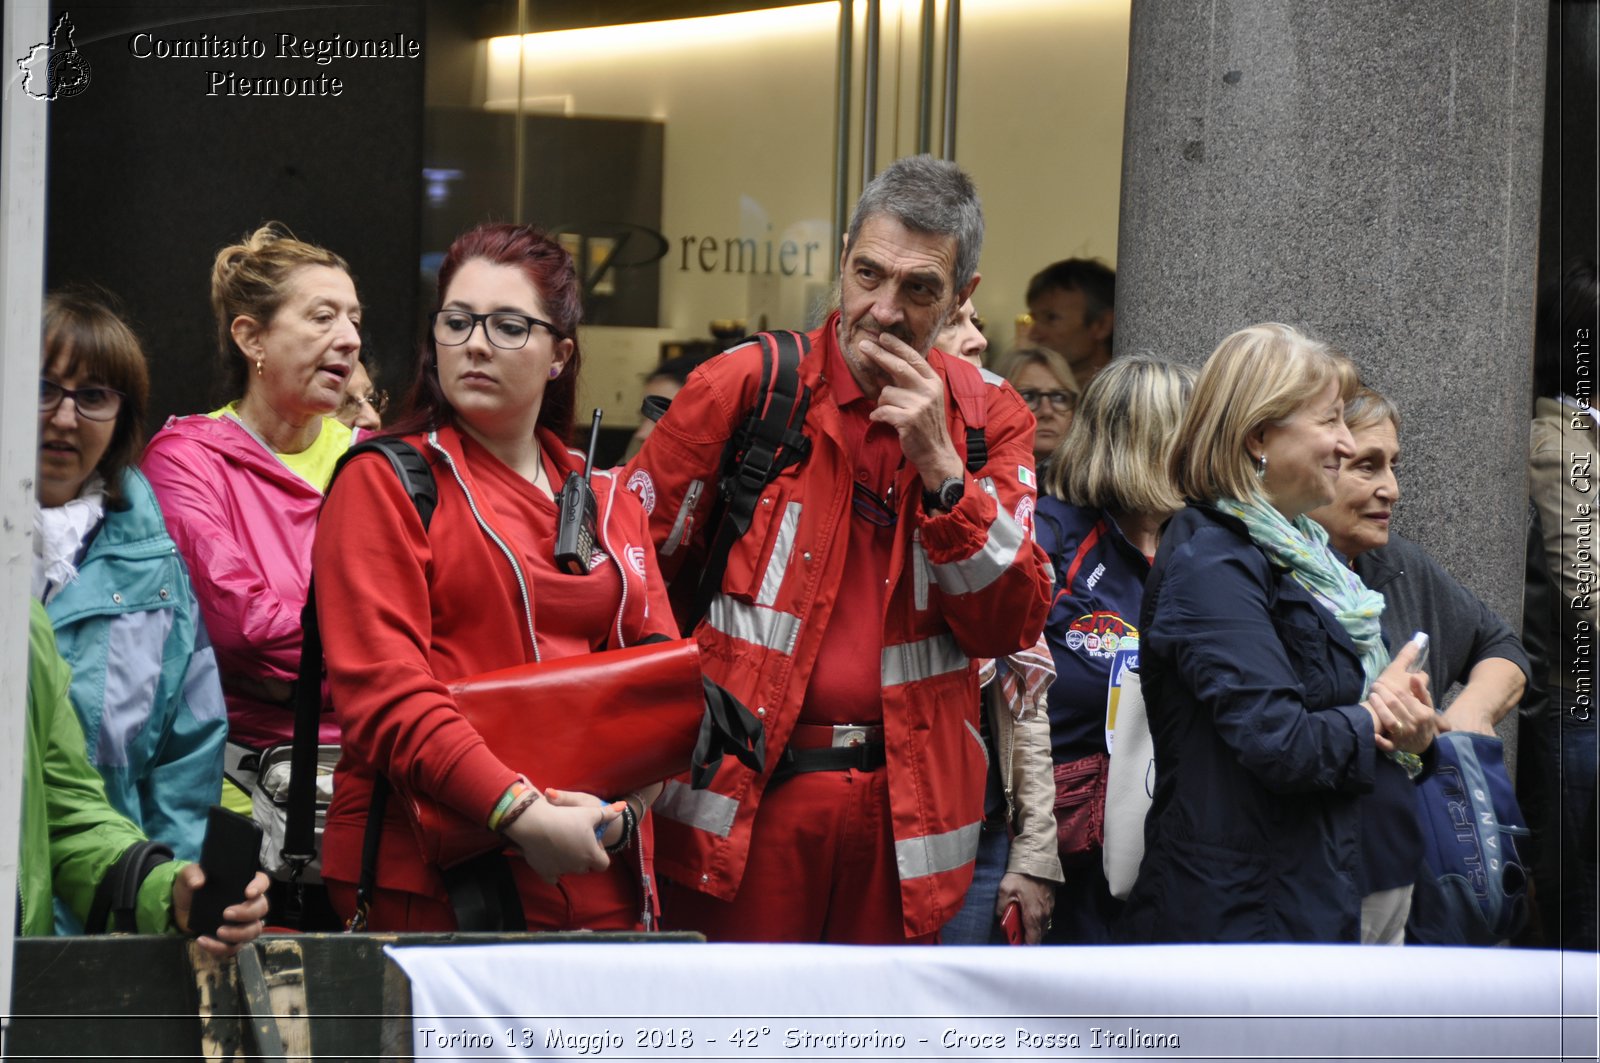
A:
405,610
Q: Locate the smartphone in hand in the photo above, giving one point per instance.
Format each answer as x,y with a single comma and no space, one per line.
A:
1420,661
230,857
1011,925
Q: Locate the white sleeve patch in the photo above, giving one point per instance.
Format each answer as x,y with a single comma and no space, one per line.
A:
641,484
1024,515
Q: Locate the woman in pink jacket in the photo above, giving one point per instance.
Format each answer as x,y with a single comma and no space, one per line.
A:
241,485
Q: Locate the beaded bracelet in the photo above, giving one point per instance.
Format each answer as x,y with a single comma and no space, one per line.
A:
629,822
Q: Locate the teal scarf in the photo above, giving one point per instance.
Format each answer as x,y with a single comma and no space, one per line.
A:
1302,547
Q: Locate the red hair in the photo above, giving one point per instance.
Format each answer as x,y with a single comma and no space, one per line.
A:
549,269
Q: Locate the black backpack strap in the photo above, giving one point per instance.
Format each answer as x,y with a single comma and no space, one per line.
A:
654,407
368,883
300,835
769,441
727,728
117,896
977,449
968,390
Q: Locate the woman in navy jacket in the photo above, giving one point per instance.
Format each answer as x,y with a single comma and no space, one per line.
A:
1270,713
1105,498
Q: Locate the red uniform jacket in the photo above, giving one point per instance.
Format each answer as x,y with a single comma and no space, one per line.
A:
404,611
963,585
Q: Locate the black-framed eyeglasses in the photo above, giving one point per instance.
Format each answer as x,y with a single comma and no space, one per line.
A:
94,403
507,330
1060,401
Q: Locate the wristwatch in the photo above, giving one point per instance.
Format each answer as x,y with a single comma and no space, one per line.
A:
947,497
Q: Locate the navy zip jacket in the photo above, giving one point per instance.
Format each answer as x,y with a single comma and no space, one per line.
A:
1252,690
1099,585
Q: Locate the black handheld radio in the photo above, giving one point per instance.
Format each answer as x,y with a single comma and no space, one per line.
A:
576,511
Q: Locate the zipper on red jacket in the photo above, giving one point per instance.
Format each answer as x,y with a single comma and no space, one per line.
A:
516,569
618,559
646,918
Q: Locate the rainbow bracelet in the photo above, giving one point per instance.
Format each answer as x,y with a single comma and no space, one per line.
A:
508,801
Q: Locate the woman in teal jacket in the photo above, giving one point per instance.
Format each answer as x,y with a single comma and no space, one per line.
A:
71,836
144,678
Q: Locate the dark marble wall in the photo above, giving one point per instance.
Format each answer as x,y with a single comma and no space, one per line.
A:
155,166
1369,171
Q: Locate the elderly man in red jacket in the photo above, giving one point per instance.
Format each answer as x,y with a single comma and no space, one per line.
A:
851,613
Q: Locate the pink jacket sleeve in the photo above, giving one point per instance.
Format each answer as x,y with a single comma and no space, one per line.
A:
254,629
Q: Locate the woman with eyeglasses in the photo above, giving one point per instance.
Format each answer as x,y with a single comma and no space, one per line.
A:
407,609
363,403
1045,382
144,679
241,486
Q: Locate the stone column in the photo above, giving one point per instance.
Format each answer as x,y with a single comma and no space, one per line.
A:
1369,171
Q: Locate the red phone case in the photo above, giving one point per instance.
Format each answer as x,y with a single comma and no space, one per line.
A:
1011,925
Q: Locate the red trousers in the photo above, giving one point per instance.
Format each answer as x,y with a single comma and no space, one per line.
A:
821,869
602,900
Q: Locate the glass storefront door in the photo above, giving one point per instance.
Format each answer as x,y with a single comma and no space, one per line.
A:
691,164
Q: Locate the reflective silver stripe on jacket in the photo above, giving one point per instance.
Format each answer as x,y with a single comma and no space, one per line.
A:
992,378
937,853
977,736
778,563
911,661
922,573
756,624
1000,545
700,809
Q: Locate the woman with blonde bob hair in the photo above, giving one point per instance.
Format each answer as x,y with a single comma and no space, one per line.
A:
1107,495
1272,699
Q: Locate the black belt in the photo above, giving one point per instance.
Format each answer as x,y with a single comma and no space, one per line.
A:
860,748
800,761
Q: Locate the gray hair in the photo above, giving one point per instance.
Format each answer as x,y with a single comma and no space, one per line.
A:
930,196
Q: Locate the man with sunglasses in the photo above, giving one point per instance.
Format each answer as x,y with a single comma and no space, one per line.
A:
852,612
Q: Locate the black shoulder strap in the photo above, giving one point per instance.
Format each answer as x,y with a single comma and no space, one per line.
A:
969,390
770,440
977,449
117,896
299,837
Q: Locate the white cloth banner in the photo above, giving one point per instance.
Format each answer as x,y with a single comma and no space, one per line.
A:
1229,1002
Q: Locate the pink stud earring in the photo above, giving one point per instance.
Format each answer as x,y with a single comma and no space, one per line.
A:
555,371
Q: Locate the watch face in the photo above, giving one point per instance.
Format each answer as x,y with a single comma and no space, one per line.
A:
950,492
